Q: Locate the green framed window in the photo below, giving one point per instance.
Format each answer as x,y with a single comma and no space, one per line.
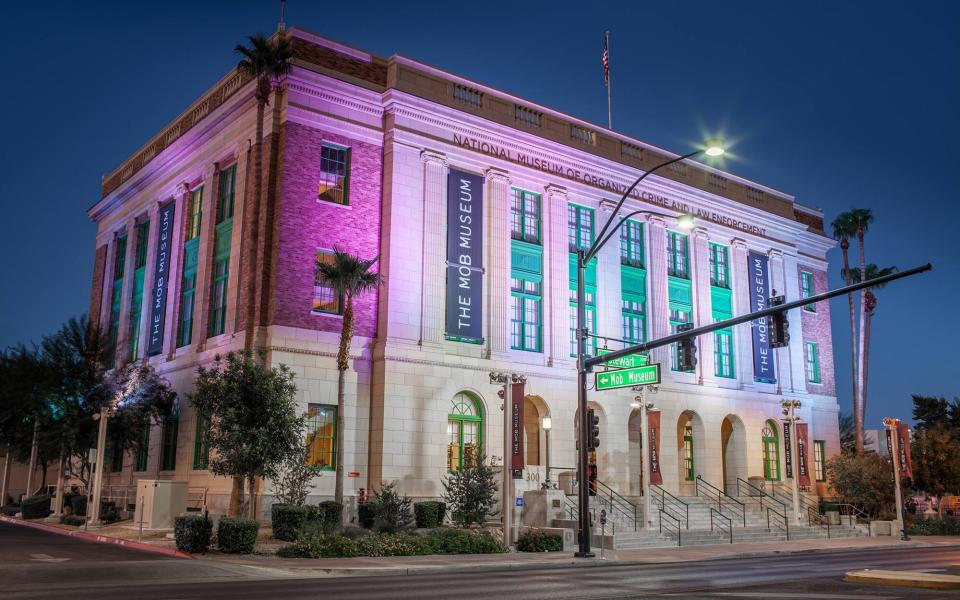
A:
689,468
464,430
188,289
325,298
677,318
136,303
812,355
771,451
225,196
723,353
221,254
322,437
590,295
201,443
116,299
334,183
633,304
143,447
719,266
807,289
631,244
168,442
526,296
820,459
194,214
525,216
218,308
580,224
678,259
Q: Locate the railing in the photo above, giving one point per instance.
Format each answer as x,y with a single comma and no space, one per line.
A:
717,519
779,519
674,522
723,500
124,496
815,518
197,499
672,504
761,494
787,493
618,504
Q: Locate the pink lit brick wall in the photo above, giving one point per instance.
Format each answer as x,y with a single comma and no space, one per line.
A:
816,328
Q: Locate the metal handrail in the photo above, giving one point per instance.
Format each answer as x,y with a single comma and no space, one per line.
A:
675,518
783,517
718,524
676,502
763,494
814,517
626,508
805,503
737,507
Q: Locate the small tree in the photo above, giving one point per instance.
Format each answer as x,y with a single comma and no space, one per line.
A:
292,483
867,482
254,422
471,491
393,510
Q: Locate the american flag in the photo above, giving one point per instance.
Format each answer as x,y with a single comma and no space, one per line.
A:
606,62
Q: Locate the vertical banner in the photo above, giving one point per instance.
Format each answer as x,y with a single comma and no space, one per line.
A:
890,443
903,449
802,455
161,271
653,422
788,449
758,275
464,256
516,430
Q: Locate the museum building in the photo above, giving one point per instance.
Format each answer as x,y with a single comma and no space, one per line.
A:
475,201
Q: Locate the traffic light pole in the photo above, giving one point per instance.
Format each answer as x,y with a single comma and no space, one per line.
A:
583,485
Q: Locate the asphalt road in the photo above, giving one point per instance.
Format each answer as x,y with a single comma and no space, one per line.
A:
36,564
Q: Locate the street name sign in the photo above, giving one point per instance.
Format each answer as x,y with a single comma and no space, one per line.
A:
645,375
625,362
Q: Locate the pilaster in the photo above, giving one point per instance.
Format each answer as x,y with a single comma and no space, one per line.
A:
742,335
778,288
497,267
433,285
203,300
609,293
658,318
122,351
703,309
557,273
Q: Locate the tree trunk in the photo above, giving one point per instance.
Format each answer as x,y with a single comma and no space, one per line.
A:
857,432
343,363
861,399
236,497
252,507
254,228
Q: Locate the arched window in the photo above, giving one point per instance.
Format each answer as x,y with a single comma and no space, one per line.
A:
771,452
688,465
464,430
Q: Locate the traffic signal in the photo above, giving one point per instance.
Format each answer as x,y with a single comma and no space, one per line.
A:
593,430
779,325
686,350
592,479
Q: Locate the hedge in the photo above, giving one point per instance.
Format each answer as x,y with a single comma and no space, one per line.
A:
945,526
439,541
79,505
192,533
327,516
36,507
74,520
538,540
367,513
429,514
9,510
287,521
237,535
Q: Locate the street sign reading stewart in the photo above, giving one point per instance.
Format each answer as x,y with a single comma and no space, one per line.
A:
626,362
645,375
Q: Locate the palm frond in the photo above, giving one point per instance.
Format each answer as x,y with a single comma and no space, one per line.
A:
348,274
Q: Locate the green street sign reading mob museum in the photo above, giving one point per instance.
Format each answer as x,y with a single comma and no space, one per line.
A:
645,375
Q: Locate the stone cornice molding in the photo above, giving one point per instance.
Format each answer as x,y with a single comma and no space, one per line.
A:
739,243
775,253
433,157
700,233
656,220
607,205
495,175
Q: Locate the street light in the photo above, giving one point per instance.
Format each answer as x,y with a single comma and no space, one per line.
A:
646,444
547,424
892,425
583,259
790,417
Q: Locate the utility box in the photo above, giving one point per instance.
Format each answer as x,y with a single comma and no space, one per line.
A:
159,502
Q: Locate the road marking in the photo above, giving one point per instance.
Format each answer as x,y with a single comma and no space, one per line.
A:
46,558
803,595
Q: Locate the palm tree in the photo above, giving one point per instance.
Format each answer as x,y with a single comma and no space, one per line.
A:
349,276
870,305
266,60
861,217
843,229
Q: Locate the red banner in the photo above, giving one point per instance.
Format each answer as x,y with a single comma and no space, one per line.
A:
653,418
903,447
516,426
802,455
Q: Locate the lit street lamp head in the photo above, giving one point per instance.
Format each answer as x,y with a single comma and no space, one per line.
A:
685,222
714,151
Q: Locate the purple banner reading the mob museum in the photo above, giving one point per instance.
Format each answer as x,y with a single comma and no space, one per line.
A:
161,271
758,275
464,256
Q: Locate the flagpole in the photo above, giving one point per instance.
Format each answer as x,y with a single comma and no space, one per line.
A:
609,105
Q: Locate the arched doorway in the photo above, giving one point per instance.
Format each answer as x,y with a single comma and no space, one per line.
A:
531,432
771,451
733,440
464,429
690,440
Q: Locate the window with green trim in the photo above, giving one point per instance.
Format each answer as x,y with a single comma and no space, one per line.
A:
807,289
677,318
723,353
334,174
771,451
221,257
201,442
590,306
325,298
136,303
168,442
322,437
119,259
820,459
194,214
634,319
188,288
464,431
689,470
631,244
525,216
226,193
813,362
526,313
678,264
143,447
719,273
579,227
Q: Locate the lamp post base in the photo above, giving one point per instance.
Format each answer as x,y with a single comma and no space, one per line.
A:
579,554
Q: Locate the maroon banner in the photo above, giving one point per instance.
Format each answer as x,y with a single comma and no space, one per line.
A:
653,418
516,426
787,449
903,447
802,464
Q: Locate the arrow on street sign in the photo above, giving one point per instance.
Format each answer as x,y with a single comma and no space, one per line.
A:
645,375
625,362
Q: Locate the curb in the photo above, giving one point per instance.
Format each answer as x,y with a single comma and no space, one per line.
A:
917,579
103,539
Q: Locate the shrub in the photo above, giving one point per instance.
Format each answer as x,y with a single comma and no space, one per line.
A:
439,541
9,510
319,545
237,535
329,516
73,520
471,491
192,533
367,513
68,500
946,526
36,507
354,533
287,521
392,544
79,505
449,540
427,514
538,540
109,512
393,512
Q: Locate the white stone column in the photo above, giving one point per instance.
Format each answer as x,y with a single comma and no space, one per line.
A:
434,283
702,308
778,288
180,195
122,350
106,298
609,294
556,288
658,303
742,336
497,265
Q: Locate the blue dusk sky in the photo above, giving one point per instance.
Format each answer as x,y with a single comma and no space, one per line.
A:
843,104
